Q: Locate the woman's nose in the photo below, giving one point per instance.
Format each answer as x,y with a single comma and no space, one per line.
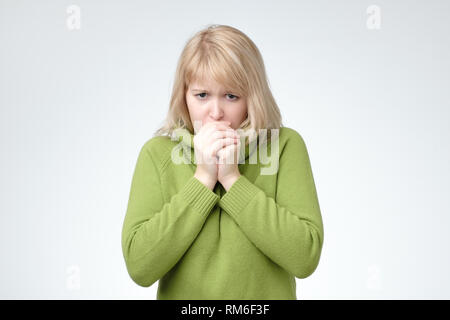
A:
216,111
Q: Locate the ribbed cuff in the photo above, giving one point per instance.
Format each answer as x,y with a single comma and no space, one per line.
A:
199,196
238,196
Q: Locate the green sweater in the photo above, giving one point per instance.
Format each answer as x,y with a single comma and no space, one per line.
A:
247,243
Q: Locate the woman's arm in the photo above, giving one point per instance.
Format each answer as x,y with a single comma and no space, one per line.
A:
155,234
287,229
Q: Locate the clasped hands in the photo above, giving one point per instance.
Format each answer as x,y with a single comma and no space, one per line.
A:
216,147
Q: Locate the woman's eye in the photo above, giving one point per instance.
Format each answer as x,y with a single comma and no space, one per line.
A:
232,96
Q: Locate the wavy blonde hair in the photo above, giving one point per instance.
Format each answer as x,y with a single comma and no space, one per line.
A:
232,59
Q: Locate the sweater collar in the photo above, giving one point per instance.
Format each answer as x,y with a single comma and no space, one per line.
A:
185,138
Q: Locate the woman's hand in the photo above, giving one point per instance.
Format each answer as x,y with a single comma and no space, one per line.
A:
228,160
211,137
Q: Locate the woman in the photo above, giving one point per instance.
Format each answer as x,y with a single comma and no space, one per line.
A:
206,217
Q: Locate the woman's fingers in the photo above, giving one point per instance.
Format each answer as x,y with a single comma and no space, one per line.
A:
214,126
219,131
214,136
226,152
219,144
225,134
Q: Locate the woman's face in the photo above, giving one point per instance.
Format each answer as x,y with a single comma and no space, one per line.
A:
208,101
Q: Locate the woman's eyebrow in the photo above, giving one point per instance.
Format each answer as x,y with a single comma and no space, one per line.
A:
206,90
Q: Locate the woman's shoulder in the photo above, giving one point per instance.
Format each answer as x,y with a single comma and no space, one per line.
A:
291,142
159,147
290,135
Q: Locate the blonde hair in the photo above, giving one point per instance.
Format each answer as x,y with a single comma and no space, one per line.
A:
232,59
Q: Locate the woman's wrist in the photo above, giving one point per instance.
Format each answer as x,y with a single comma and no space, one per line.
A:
227,182
207,181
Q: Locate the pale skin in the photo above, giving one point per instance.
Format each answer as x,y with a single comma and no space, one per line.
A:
217,143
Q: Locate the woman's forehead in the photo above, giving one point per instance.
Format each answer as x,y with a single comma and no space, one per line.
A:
207,82
206,85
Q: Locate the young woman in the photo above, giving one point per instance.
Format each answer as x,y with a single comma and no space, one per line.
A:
223,203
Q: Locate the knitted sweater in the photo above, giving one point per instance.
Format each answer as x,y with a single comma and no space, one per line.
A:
248,243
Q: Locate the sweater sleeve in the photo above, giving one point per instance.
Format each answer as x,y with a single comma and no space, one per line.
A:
156,234
287,229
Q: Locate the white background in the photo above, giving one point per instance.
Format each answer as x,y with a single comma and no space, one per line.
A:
371,104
